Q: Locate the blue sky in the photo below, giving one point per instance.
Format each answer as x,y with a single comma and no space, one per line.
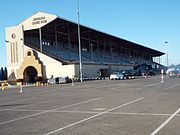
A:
146,22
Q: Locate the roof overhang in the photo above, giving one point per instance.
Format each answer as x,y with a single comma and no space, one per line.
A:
41,19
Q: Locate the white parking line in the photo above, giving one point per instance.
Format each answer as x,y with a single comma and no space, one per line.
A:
96,112
26,105
171,87
7,103
166,122
28,116
150,85
103,86
114,88
99,114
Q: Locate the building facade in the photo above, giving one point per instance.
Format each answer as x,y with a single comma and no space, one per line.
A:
46,45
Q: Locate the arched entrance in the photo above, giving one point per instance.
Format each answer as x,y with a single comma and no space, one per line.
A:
29,74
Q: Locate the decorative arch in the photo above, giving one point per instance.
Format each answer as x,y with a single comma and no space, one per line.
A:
31,67
29,74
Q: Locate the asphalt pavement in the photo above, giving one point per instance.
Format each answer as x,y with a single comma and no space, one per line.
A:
144,106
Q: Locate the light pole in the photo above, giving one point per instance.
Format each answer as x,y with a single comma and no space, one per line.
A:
80,59
166,54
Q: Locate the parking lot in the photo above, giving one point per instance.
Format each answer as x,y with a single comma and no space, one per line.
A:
143,106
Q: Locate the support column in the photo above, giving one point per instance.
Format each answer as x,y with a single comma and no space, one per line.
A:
40,39
23,40
56,40
69,42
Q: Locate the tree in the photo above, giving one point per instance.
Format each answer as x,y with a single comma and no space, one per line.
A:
5,74
2,73
38,79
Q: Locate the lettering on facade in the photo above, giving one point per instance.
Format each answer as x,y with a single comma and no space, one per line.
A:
39,20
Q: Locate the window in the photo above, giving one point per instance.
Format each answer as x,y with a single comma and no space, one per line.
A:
46,43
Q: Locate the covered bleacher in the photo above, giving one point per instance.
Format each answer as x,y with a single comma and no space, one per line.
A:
59,40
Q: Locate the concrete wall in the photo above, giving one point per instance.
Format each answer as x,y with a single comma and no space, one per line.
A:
54,67
92,71
50,66
68,70
118,68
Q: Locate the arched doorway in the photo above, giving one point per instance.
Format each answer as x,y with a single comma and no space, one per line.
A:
29,74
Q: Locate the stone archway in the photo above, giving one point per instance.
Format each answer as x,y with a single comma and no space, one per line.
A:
29,74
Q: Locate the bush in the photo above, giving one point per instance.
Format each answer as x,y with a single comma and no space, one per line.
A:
38,78
19,80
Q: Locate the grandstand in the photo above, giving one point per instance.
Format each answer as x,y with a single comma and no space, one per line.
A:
49,45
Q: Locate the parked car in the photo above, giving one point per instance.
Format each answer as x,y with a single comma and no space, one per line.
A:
151,73
174,73
59,80
127,74
116,76
144,73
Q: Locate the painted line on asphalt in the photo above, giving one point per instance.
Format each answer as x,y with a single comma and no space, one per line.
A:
171,87
29,110
150,85
7,103
101,86
120,88
94,116
26,105
116,113
166,122
114,88
142,114
96,112
28,116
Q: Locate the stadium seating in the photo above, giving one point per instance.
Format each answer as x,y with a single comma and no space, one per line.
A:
63,51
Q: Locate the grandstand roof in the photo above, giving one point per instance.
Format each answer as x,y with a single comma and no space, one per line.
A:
51,20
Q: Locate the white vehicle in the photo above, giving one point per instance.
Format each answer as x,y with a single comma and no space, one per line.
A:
116,76
174,73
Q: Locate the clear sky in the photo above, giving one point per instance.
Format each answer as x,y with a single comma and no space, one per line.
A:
146,22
